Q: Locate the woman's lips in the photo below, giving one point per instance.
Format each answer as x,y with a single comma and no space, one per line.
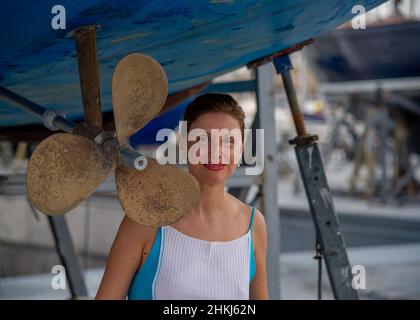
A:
214,167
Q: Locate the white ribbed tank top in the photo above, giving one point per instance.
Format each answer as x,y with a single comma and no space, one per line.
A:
181,267
198,269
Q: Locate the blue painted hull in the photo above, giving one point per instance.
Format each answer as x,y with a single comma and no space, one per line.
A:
194,40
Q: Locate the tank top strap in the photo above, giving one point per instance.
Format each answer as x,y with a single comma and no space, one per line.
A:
252,219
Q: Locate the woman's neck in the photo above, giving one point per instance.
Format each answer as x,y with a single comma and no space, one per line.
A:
212,201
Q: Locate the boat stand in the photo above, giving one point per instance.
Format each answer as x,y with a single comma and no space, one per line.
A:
330,242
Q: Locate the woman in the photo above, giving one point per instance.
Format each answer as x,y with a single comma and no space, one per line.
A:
216,251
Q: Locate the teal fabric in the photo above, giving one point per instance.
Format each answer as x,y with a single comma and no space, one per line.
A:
142,285
253,268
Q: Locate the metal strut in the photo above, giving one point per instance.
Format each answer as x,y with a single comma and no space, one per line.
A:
330,241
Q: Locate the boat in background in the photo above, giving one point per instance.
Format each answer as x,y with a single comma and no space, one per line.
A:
382,51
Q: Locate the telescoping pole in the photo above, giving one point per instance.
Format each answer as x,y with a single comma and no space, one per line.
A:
330,241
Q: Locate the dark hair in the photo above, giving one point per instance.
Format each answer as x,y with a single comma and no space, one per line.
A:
214,102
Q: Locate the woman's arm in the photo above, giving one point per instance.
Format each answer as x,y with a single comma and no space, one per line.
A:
258,287
124,259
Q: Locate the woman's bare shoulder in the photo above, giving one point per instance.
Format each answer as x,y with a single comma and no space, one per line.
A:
259,220
247,210
133,232
259,230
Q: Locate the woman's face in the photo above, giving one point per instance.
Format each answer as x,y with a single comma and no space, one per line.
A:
215,147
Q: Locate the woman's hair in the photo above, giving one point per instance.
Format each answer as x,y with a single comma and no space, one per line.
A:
214,102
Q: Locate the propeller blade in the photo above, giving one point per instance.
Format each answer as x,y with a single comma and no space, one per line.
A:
158,195
63,170
139,91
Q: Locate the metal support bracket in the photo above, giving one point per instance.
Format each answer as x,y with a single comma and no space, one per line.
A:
329,235
331,239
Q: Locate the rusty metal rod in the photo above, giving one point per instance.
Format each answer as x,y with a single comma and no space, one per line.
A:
85,38
293,103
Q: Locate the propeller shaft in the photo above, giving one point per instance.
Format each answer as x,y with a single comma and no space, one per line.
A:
87,60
